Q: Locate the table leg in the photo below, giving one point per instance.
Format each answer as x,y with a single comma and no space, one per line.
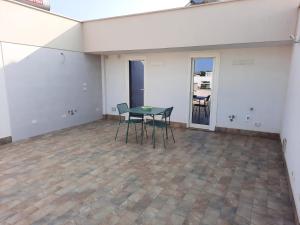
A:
127,130
142,139
153,131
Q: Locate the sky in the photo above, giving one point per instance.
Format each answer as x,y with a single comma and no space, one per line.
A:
96,9
204,64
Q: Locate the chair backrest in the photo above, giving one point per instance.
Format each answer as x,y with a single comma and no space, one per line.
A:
122,108
167,113
207,98
136,115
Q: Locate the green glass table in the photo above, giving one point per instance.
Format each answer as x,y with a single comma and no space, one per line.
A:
153,111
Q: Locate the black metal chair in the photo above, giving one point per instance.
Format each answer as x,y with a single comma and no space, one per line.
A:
204,104
164,124
133,119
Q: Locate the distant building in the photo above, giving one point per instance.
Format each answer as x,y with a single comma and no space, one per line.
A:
42,4
198,2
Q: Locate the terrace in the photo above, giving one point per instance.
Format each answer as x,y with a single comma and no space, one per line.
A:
229,90
81,176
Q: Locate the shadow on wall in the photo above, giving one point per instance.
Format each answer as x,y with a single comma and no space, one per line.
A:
50,89
70,40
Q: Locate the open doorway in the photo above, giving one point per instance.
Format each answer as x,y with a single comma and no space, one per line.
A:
203,78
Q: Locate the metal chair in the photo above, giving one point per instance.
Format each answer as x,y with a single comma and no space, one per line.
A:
204,105
164,124
123,109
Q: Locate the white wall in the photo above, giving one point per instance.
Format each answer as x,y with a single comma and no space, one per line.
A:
27,25
253,78
250,77
4,112
42,85
245,21
291,124
38,85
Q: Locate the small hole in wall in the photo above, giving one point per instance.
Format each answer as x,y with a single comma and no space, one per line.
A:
257,124
64,57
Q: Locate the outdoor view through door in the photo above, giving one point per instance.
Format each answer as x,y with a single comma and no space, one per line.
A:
136,83
202,90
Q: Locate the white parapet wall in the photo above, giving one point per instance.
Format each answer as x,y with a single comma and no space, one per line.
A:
223,23
5,130
31,26
291,124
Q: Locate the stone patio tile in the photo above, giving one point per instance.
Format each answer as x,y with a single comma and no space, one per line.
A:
82,176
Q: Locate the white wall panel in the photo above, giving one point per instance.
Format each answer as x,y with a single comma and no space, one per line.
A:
291,124
4,111
26,25
235,22
249,77
43,84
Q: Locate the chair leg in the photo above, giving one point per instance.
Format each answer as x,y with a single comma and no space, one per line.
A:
153,136
167,135
136,137
163,134
172,133
117,132
127,133
142,132
145,127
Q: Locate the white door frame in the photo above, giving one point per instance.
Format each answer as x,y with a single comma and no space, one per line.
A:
214,95
133,58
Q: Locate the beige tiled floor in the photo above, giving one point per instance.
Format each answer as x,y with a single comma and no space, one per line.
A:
82,176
